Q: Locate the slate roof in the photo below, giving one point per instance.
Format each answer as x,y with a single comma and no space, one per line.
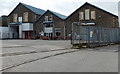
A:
34,9
92,6
54,13
59,15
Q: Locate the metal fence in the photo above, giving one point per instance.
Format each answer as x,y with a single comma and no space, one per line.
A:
92,36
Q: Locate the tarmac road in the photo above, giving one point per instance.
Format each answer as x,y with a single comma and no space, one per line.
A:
102,59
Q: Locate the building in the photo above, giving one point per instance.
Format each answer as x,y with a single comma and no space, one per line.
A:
4,31
50,25
21,20
91,15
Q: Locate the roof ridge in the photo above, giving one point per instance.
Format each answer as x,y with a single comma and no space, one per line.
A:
101,8
93,6
34,9
30,6
59,15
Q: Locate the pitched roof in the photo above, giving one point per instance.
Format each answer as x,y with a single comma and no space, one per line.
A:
31,8
94,7
54,13
34,9
59,15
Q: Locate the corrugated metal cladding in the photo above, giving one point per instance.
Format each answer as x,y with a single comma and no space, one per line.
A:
94,36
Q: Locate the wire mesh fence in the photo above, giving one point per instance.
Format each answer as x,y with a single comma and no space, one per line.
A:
92,36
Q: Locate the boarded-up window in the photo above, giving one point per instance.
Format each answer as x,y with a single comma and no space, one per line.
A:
25,16
87,14
81,15
46,18
15,17
93,16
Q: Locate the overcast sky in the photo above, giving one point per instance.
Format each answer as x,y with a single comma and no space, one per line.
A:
65,7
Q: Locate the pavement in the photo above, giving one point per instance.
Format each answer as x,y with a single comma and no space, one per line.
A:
56,56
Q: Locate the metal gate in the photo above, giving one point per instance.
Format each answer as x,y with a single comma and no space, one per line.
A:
92,36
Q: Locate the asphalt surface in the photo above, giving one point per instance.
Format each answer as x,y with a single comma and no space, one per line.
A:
56,56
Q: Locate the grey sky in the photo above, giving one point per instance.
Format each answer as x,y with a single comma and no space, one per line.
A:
65,7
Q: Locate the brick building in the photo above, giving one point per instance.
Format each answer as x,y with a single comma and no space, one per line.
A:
21,20
50,25
4,31
89,14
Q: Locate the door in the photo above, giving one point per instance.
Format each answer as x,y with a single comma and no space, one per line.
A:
25,35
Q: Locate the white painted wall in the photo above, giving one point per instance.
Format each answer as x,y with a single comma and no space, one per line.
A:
27,26
13,30
20,31
23,27
48,30
4,32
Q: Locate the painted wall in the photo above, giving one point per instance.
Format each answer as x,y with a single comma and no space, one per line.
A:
27,27
13,32
4,32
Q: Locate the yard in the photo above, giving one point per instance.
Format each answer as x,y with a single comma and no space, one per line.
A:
56,56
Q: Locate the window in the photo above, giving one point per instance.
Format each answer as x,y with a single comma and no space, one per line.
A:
81,15
58,31
20,19
93,15
50,17
46,18
87,15
48,25
25,17
15,17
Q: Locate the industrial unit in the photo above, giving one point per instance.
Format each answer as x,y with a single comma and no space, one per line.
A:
27,22
21,20
50,25
91,15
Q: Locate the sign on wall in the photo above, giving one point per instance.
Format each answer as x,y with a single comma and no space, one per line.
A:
27,26
48,30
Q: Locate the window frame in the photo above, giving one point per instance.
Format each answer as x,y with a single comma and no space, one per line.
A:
15,17
25,16
87,14
93,15
81,15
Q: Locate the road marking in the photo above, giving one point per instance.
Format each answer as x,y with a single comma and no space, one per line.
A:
33,60
31,52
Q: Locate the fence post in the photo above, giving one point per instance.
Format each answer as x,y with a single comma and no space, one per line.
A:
89,37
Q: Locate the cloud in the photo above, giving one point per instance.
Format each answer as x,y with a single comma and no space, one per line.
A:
65,7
